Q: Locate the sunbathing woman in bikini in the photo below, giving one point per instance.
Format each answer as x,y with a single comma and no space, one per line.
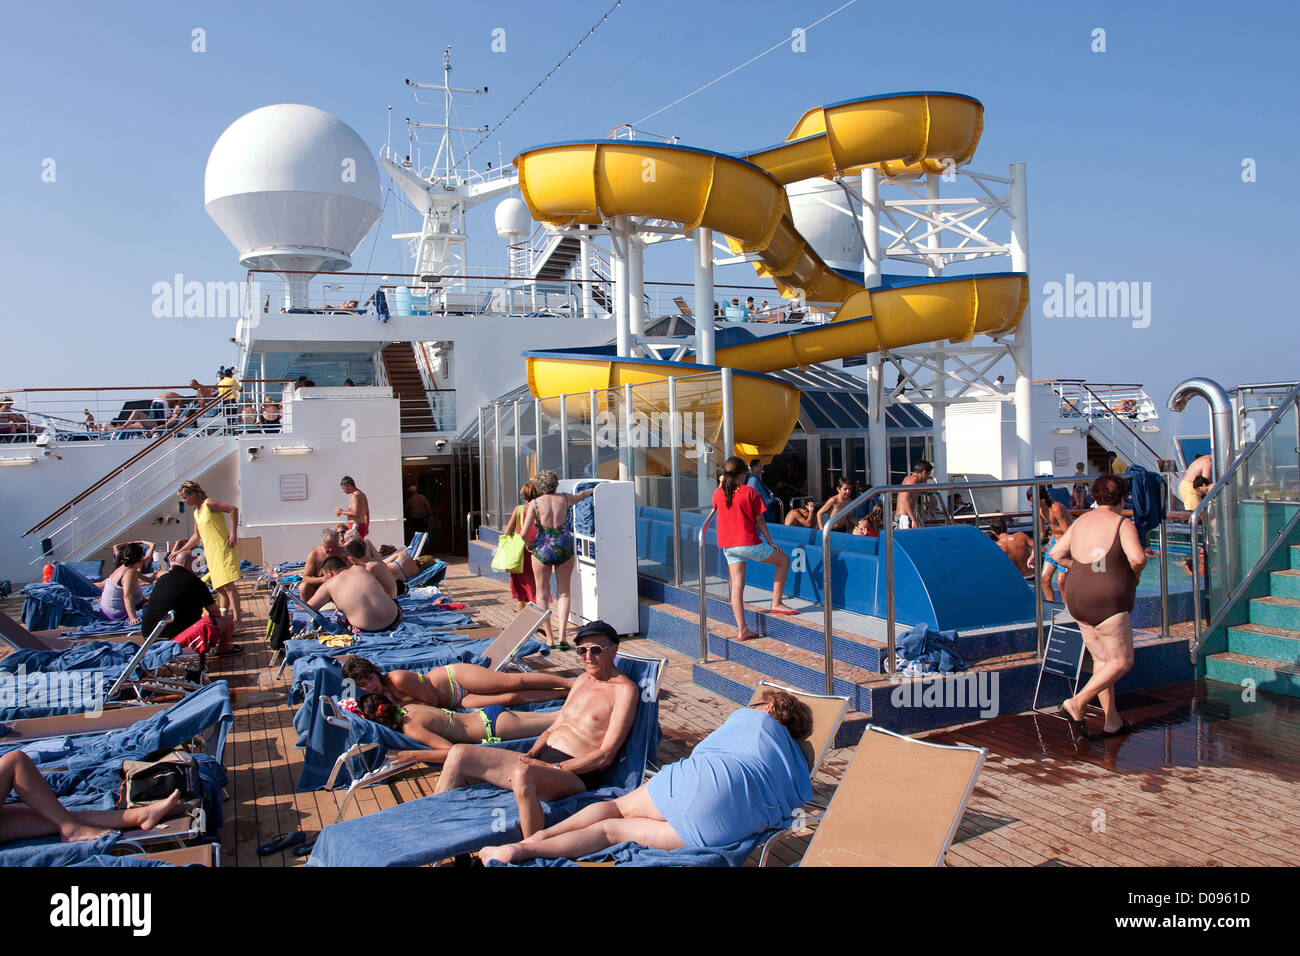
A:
455,685
439,729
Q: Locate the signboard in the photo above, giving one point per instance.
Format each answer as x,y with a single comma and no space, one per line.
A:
1061,455
293,487
1063,655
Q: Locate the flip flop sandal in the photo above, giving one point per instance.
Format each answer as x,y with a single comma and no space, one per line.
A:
1078,726
237,649
782,610
281,842
305,849
1124,728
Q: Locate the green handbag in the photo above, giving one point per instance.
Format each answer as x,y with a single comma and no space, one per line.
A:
510,554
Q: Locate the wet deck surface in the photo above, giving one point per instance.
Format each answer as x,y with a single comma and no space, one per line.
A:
1208,778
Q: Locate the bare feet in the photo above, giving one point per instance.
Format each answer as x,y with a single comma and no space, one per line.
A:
502,854
156,813
1065,706
76,832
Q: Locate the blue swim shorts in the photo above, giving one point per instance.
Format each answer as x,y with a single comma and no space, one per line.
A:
748,552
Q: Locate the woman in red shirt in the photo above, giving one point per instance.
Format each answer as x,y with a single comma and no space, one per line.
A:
743,536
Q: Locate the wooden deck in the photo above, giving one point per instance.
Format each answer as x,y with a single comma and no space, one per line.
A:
1208,778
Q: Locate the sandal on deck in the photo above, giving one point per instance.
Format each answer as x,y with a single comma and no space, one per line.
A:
281,842
1078,726
1124,728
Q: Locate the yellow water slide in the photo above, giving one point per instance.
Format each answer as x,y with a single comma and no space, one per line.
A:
744,199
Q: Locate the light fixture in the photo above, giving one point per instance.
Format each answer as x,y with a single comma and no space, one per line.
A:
292,450
418,458
1072,430
26,460
1150,429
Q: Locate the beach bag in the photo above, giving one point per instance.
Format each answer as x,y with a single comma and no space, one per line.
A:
146,781
510,554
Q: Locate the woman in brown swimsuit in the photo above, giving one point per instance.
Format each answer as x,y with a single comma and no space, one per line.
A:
1099,592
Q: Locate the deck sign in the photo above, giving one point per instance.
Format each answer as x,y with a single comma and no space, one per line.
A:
293,487
1063,655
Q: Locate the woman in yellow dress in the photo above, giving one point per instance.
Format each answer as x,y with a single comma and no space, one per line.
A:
218,543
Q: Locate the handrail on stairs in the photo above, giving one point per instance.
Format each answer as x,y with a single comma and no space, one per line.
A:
143,453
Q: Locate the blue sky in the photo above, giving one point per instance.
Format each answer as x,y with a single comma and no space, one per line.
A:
1134,155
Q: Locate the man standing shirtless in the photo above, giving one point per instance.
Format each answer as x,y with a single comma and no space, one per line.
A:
312,576
1055,519
907,516
361,599
573,754
1196,482
358,509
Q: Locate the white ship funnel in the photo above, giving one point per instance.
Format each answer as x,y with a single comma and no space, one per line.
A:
295,190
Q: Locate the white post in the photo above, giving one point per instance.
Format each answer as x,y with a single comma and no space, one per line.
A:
584,273
877,439
619,235
704,353
728,417
635,285
1022,350
939,387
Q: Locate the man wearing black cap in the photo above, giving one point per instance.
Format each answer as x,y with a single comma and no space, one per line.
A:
572,755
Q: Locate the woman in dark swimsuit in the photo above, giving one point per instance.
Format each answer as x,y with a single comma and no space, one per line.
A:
552,548
1099,592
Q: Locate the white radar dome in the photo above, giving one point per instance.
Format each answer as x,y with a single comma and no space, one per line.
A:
512,219
833,235
293,188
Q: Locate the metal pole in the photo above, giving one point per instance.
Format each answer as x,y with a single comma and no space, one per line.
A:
519,449
827,614
496,457
704,620
626,454
704,350
728,416
1039,564
1164,582
595,451
537,433
564,436
482,472
870,223
1023,349
584,273
888,542
674,450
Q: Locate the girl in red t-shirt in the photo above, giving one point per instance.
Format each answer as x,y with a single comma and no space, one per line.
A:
743,536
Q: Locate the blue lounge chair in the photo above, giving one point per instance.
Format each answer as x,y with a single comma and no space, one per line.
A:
460,821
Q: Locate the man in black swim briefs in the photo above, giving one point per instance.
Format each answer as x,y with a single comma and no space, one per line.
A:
573,754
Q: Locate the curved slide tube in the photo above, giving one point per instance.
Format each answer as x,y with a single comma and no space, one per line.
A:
589,182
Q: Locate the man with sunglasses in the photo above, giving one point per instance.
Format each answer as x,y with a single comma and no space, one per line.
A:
572,755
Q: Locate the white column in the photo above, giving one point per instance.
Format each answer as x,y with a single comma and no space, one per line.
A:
704,296
584,273
620,251
1022,349
635,285
939,389
877,439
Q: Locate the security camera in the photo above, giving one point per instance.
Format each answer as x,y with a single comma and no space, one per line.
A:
252,452
441,443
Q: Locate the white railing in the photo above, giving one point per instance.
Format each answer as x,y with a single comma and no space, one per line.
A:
95,521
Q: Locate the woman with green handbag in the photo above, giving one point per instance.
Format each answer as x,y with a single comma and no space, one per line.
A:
523,584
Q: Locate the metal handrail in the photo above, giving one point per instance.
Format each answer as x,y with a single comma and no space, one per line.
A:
1292,400
704,620
1114,416
147,450
887,543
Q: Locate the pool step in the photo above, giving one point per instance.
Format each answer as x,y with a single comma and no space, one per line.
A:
1266,675
1295,557
1276,612
1285,584
1261,641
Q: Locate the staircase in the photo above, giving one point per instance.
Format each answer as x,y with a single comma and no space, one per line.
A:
407,383
1266,649
554,260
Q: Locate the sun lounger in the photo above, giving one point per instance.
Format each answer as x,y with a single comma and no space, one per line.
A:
460,821
828,713
899,804
23,732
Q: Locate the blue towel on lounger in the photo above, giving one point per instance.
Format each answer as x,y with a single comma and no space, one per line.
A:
467,819
49,686
633,854
390,658
47,606
107,656
76,577
43,852
102,629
